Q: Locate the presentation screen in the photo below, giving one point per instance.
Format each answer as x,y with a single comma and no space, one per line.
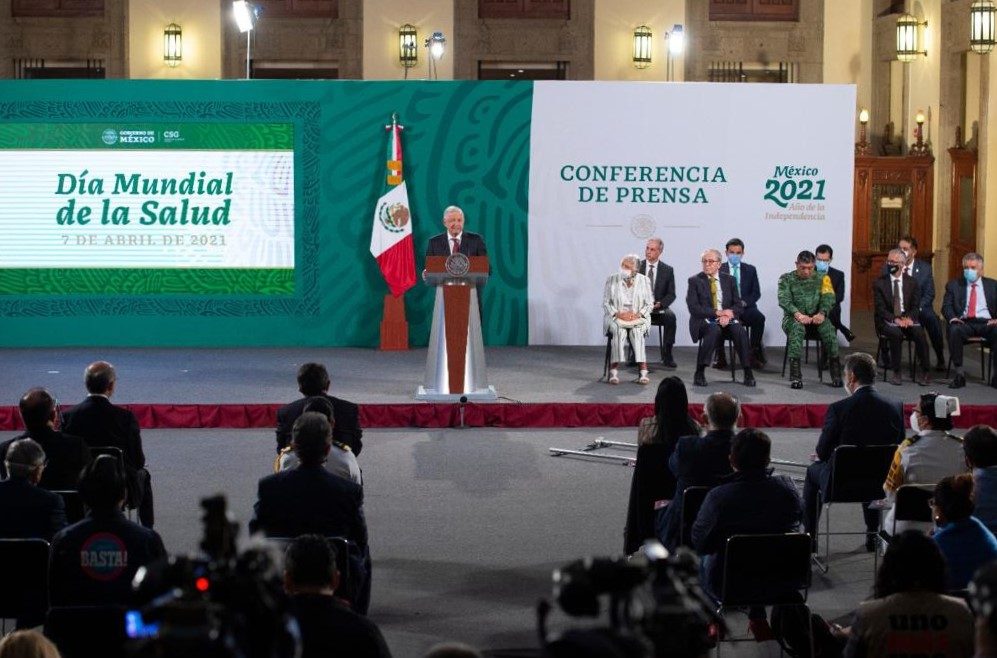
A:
147,208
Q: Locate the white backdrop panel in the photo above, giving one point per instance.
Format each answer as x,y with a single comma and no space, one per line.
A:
740,137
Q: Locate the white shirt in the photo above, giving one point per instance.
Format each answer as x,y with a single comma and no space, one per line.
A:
982,311
899,282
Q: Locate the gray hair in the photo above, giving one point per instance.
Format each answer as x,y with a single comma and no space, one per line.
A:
453,209
23,457
631,257
900,253
972,256
714,252
661,243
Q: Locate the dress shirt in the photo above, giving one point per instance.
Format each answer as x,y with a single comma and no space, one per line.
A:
982,312
450,238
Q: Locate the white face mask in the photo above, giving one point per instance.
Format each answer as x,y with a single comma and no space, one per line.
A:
913,421
625,273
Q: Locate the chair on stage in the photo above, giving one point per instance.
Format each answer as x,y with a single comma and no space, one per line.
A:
24,595
727,343
692,501
882,349
810,335
986,367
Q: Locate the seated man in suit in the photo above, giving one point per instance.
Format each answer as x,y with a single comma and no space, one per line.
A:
66,454
864,418
714,307
662,279
626,304
970,308
313,380
897,300
101,423
824,254
921,271
748,289
806,300
28,511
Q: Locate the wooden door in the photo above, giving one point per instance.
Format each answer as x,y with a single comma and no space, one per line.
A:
962,232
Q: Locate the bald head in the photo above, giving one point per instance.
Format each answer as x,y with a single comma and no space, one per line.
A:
99,377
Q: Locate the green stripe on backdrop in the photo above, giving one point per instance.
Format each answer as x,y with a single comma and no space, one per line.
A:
465,143
142,281
125,135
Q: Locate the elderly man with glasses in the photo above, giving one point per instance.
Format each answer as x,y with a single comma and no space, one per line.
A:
897,304
29,512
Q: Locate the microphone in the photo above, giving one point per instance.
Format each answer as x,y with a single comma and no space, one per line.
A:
463,401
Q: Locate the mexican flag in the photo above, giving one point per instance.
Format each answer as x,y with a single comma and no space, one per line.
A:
391,237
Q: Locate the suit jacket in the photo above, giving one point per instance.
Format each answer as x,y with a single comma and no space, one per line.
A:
954,303
66,455
864,418
664,283
838,283
345,415
612,300
29,512
750,291
699,303
101,423
921,271
471,244
329,628
882,292
310,499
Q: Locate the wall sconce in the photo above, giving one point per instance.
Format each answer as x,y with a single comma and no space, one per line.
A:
908,38
676,40
862,146
982,26
920,147
172,45
642,47
436,45
408,47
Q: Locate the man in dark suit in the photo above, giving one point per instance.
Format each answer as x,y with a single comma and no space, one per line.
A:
66,454
926,317
101,423
746,282
455,239
714,308
662,279
825,254
699,461
29,512
313,380
864,418
896,302
970,308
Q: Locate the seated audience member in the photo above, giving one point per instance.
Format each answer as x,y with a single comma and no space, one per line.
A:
748,289
328,626
26,510
806,299
965,542
101,423
928,456
27,644
627,301
66,454
751,501
824,254
661,278
897,303
970,309
341,460
909,591
980,445
983,602
94,561
653,482
313,380
452,650
921,271
699,461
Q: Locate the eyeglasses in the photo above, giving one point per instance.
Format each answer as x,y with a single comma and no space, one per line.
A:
711,260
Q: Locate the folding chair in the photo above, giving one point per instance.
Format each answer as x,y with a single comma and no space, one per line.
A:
83,631
95,451
986,368
765,570
75,510
911,504
857,476
692,500
906,339
810,335
24,595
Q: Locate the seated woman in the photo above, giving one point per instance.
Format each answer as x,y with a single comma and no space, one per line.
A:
965,542
627,301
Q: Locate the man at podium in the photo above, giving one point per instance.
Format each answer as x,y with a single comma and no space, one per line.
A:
455,239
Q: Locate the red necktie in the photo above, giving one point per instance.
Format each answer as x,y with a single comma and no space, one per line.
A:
971,310
456,245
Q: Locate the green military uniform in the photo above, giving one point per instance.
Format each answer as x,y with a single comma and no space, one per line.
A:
807,296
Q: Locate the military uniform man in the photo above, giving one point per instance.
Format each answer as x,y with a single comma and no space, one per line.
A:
805,300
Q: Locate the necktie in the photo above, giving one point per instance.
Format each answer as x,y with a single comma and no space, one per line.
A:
456,245
896,298
713,291
737,278
650,274
971,309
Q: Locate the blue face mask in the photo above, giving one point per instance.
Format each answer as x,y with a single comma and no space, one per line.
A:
734,260
971,275
822,266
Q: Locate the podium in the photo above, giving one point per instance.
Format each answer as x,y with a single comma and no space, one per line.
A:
455,362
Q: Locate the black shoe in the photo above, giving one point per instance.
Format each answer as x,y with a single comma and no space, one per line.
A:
667,360
870,542
749,378
959,381
699,379
849,336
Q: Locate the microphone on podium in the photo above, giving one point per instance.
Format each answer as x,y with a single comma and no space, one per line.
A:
463,401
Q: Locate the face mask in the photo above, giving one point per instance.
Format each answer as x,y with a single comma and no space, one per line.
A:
894,269
626,274
913,421
822,266
906,254
734,260
971,275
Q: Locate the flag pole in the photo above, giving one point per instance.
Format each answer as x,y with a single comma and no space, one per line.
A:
394,326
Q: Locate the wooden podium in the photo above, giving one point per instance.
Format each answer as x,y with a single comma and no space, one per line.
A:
455,362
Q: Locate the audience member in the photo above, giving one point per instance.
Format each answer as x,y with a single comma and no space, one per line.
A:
653,483
341,461
94,561
863,418
699,461
328,626
965,542
750,291
823,255
928,456
452,650
627,301
921,271
101,423
66,454
313,380
983,601
909,614
805,300
29,512
661,277
897,303
980,445
970,309
751,501
27,644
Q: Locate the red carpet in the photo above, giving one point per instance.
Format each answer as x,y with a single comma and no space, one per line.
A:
504,415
